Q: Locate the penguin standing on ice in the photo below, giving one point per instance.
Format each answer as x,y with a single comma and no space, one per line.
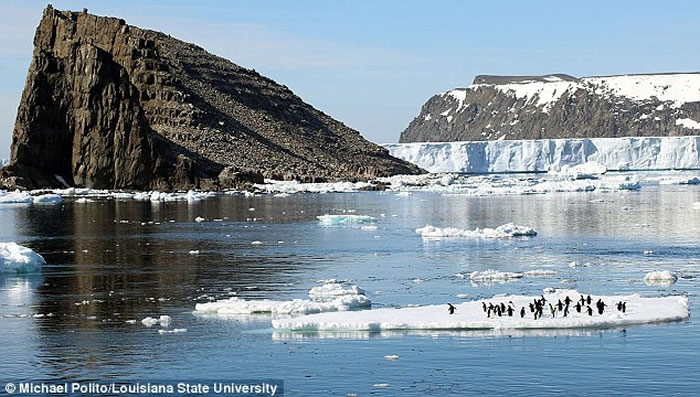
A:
510,311
589,300
618,305
624,307
560,306
567,300
522,312
532,308
601,306
483,304
450,309
553,310
578,307
589,310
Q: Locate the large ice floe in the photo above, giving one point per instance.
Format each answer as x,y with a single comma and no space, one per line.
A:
341,220
543,155
331,295
504,231
471,316
15,258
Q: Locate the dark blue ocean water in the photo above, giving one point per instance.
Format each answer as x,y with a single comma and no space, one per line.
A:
132,270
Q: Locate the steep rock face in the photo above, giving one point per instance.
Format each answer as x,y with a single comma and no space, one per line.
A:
109,105
561,106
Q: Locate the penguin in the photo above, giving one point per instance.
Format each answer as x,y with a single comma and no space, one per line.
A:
589,310
589,300
532,308
450,309
567,300
601,306
578,307
560,306
503,307
522,312
582,300
618,305
483,304
510,311
553,310
624,307
566,310
488,313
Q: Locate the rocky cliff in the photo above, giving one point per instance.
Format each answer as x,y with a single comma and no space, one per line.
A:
109,105
561,106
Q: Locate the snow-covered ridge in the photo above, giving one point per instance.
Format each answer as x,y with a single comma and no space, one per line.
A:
676,89
471,316
615,154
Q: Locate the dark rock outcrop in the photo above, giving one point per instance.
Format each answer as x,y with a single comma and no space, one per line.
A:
561,106
109,105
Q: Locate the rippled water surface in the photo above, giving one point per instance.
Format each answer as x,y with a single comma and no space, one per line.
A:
112,261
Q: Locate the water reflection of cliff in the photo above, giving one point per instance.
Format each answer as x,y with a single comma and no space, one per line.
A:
109,262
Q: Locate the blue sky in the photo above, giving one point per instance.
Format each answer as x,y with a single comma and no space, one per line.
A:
372,64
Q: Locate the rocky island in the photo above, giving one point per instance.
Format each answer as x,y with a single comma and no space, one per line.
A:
109,105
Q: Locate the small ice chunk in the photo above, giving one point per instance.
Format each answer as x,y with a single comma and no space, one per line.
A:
660,278
15,197
48,199
493,275
164,321
194,252
391,357
338,220
199,219
503,231
174,331
15,258
256,242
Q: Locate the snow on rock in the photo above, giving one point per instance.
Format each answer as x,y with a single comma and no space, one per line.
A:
340,220
15,258
688,123
49,198
470,315
660,278
543,155
503,231
332,295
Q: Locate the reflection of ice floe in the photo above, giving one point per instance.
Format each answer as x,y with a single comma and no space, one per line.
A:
661,278
15,258
503,231
173,331
332,295
339,220
470,315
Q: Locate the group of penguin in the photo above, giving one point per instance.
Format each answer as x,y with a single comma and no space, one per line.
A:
538,305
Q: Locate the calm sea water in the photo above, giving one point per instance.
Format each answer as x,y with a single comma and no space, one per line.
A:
132,270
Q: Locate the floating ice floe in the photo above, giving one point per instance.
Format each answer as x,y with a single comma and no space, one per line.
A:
15,258
15,197
493,275
503,231
470,315
164,321
84,200
392,357
588,170
661,278
173,331
340,220
332,295
49,198
272,186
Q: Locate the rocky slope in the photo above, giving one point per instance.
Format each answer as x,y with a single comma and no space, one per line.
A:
561,106
109,105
